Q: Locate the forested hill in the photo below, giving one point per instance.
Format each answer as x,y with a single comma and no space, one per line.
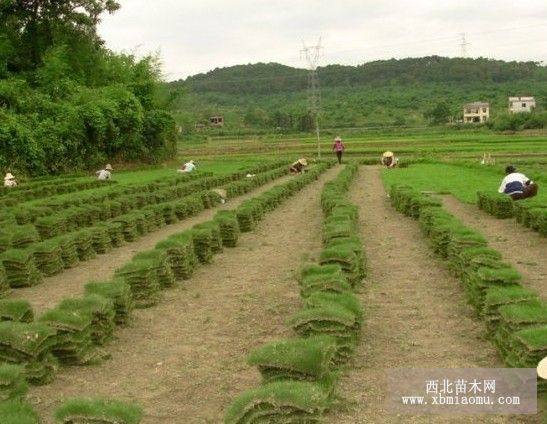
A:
413,91
263,78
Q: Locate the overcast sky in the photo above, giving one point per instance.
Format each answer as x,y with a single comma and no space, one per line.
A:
194,36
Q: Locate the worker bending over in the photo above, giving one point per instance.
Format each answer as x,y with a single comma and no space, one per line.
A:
299,166
517,185
9,180
105,174
389,160
187,167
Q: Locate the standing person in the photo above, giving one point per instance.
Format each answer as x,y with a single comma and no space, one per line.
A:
517,185
299,166
9,180
389,160
105,174
338,148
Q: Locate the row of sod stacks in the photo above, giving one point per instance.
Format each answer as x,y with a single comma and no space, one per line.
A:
25,266
115,199
299,374
516,317
531,213
74,332
78,211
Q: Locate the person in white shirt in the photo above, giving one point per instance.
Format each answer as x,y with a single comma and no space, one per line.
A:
105,174
187,167
9,180
517,185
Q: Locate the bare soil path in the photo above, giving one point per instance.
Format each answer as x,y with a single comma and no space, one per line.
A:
523,248
71,282
416,314
184,359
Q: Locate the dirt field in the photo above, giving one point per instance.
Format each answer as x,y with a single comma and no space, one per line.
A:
71,282
184,360
521,247
416,314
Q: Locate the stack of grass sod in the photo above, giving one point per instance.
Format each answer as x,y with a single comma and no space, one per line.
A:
498,205
20,268
180,250
229,227
18,310
13,385
80,325
532,214
48,257
515,316
119,293
98,411
4,285
299,374
141,277
161,266
17,412
29,344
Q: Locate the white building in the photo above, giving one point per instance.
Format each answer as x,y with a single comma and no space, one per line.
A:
476,112
521,104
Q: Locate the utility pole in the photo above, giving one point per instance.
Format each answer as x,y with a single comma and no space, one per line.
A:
311,55
464,44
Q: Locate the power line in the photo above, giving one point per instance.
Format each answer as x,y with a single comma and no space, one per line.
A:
311,55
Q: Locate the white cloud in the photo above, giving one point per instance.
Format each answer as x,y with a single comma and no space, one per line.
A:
198,35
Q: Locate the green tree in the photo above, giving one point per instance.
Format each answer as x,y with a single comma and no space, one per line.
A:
440,114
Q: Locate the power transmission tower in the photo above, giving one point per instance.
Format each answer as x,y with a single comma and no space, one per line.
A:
311,55
464,44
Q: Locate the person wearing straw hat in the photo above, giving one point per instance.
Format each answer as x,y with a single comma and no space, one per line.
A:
106,173
389,160
338,148
9,180
299,166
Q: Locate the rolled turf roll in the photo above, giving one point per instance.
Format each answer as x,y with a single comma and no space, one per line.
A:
119,293
16,310
284,401
306,359
98,411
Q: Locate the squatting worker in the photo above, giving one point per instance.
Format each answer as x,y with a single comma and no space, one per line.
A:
517,185
188,167
338,148
106,173
389,160
9,180
299,166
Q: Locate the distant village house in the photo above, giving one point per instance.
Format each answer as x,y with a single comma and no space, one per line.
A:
476,112
216,121
521,104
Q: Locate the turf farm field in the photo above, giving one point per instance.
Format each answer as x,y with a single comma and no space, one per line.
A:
149,299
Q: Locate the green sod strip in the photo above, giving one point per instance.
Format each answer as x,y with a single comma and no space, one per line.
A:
180,249
141,276
346,300
286,401
98,411
17,412
161,266
309,359
12,382
16,310
20,268
229,227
